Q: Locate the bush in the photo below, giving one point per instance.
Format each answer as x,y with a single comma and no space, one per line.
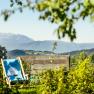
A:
76,59
52,82
80,80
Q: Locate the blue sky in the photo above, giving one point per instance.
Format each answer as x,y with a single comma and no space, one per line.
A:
28,24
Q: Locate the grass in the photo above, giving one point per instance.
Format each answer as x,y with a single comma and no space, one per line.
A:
27,91
19,91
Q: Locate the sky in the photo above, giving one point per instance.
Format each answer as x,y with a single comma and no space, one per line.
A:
27,23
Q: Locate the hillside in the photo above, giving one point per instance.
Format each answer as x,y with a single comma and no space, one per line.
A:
87,51
16,53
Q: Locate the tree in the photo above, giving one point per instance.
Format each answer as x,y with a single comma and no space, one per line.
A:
3,52
65,13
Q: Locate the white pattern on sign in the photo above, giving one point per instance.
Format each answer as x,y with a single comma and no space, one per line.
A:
12,71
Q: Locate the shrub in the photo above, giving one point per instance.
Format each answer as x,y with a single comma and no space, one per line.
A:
75,59
80,80
52,81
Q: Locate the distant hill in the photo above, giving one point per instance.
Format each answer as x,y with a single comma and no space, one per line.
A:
21,42
16,53
61,46
87,51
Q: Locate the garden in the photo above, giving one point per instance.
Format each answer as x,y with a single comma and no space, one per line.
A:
78,80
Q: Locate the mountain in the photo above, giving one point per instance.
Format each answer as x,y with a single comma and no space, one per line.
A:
60,48
13,41
21,42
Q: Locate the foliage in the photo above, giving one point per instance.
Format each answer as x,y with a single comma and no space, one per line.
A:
52,82
92,58
64,13
16,5
3,52
78,80
27,91
76,59
20,91
3,56
27,67
81,79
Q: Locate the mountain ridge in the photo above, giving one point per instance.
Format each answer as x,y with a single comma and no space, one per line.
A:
22,42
